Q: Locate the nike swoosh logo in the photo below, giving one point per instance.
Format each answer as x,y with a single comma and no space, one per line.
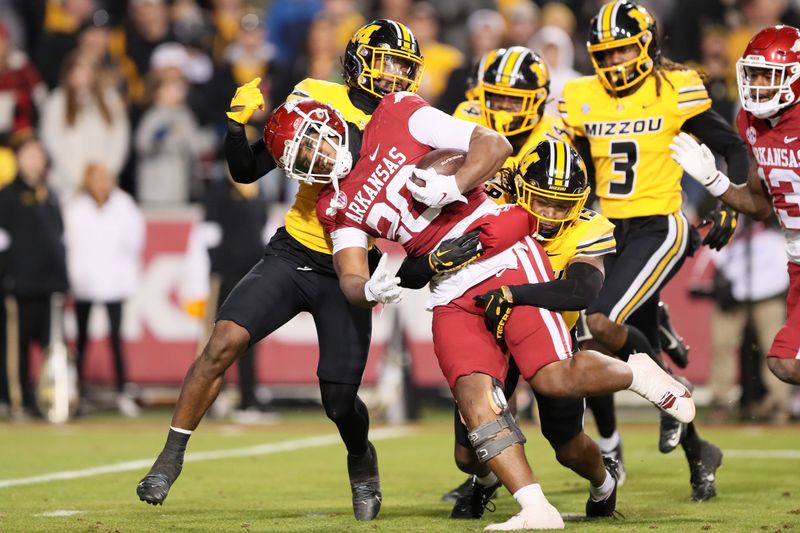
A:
375,153
304,269
787,140
551,255
440,253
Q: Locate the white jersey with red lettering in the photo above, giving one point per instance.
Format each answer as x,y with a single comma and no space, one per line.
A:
377,202
776,148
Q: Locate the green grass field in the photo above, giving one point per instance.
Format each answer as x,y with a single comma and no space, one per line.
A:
291,477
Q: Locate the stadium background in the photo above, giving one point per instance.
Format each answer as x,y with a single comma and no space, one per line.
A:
306,38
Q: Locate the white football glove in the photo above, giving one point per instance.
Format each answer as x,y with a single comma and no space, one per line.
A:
382,287
698,161
439,189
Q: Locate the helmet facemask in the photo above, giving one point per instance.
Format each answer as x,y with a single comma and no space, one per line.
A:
764,101
629,73
511,111
563,208
317,153
386,70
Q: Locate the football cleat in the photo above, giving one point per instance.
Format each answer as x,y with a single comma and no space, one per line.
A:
474,501
614,464
670,434
607,506
365,483
154,487
671,343
704,472
541,518
459,491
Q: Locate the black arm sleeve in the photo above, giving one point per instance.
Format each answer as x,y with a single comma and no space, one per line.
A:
246,162
573,293
714,131
415,272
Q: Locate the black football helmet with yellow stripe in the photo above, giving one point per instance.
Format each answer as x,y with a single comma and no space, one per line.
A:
620,24
551,184
513,89
383,57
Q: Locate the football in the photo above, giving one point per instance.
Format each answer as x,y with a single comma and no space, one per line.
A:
444,161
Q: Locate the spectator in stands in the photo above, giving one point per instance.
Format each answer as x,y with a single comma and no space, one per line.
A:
287,25
83,122
61,24
557,50
32,268
753,288
398,10
249,54
148,26
104,234
236,215
167,144
226,18
522,19
440,59
757,15
486,28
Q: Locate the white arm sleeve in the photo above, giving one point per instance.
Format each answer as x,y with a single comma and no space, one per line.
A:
349,238
435,128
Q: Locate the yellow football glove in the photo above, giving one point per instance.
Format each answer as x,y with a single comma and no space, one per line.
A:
247,99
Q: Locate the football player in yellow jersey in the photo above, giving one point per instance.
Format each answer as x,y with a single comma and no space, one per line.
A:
623,119
550,182
296,273
512,88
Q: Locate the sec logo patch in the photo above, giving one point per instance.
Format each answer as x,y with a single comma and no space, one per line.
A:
750,133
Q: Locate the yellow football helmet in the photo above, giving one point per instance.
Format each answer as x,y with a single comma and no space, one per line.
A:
551,184
513,90
383,57
619,24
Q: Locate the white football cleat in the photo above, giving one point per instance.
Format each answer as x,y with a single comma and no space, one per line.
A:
665,392
546,517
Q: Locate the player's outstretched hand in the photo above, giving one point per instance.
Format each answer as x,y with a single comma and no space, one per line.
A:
723,225
695,159
453,254
497,306
247,99
382,287
437,190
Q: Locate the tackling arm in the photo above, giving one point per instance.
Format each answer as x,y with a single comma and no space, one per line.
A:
573,293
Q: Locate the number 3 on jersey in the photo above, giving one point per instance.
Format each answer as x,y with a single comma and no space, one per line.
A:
625,155
784,186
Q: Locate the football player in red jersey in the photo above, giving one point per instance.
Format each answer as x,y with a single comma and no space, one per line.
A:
768,75
378,199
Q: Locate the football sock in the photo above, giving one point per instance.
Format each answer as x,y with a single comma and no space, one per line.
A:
177,439
604,416
608,444
488,480
691,443
530,496
601,493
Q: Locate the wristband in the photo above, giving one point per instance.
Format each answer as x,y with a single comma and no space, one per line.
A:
719,184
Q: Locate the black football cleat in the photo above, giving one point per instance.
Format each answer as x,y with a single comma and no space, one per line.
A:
704,472
670,433
607,507
154,487
459,491
671,343
474,501
365,483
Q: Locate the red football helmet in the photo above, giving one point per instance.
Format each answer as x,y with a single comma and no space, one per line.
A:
309,141
768,73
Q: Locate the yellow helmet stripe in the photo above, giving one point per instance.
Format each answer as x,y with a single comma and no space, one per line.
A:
604,21
506,68
401,34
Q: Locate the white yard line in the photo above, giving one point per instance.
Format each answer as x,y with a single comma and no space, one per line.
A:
761,454
249,451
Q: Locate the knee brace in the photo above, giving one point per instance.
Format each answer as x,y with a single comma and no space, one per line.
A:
484,439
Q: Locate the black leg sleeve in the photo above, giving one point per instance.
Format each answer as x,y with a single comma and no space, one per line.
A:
348,412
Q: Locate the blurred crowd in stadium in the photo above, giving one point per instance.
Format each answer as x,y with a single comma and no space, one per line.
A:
121,104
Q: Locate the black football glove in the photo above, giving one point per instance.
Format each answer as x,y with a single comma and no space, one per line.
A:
453,254
497,306
723,224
